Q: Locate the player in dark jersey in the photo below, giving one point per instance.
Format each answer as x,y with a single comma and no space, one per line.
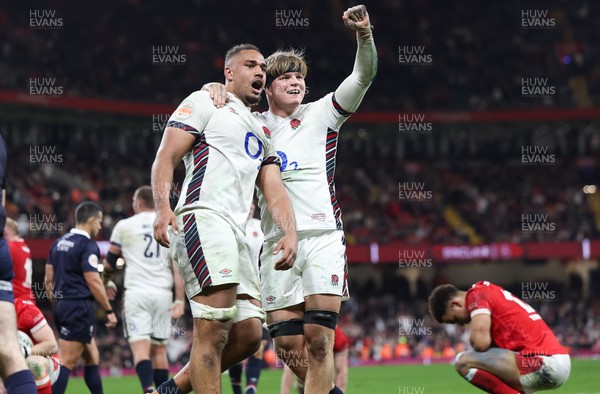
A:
514,350
73,277
13,369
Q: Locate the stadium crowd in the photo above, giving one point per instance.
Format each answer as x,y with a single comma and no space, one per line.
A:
476,56
373,187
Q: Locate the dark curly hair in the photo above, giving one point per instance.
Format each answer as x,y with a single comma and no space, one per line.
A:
439,300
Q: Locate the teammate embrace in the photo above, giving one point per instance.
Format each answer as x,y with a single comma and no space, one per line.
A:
225,151
303,302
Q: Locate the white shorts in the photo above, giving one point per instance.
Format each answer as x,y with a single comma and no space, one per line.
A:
320,268
147,315
210,251
553,373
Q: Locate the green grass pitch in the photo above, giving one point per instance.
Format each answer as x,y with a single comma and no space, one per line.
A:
400,379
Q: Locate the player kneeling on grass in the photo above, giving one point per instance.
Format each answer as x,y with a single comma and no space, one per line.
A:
526,356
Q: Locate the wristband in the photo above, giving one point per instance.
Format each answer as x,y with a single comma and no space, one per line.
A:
108,312
178,302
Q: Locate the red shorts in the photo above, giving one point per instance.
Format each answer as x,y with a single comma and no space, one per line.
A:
340,342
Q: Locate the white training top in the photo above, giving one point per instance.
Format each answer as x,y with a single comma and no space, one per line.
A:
231,146
146,262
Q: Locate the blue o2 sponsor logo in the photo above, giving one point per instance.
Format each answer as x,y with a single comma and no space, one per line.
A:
254,149
253,146
284,161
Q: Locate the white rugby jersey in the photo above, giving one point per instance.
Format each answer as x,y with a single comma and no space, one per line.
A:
146,262
254,238
221,170
306,143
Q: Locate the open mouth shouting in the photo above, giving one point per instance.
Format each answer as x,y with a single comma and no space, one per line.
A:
257,86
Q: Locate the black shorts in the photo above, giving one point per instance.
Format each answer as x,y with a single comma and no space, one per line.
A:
75,320
6,273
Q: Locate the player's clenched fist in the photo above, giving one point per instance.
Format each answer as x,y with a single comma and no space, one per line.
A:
357,18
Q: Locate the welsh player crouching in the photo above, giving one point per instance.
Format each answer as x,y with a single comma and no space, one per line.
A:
514,350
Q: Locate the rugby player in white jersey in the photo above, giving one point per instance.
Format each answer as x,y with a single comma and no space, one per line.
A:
146,314
226,152
303,303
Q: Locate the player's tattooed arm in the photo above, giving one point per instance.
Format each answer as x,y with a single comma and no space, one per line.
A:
357,18
174,145
352,90
217,92
481,338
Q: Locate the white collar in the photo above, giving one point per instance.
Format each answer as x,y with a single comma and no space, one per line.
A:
80,232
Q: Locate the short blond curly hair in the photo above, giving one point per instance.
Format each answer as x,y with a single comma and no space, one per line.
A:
283,61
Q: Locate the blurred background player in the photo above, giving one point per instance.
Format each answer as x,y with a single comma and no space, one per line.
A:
302,320
340,359
13,369
254,238
341,347
21,257
72,274
514,351
226,153
148,305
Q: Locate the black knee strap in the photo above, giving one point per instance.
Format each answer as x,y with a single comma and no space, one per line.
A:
287,327
323,318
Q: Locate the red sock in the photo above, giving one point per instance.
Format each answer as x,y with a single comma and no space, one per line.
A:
488,382
45,388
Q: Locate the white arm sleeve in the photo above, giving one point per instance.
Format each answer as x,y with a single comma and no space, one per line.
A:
351,92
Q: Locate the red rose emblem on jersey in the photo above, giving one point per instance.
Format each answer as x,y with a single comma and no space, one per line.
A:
335,280
267,132
295,123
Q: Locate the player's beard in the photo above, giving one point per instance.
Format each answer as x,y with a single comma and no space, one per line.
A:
253,100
